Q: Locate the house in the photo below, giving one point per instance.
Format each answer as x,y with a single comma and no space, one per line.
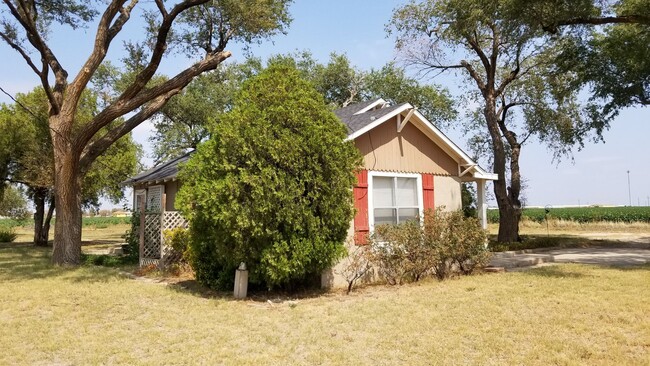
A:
408,167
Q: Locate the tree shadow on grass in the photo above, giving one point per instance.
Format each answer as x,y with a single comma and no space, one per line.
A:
194,288
24,263
569,270
555,272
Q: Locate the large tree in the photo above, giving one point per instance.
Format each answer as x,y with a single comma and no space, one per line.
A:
507,65
200,28
27,159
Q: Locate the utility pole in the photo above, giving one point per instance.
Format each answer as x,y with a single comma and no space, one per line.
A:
629,190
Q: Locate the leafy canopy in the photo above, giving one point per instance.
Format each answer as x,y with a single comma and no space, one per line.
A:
271,187
182,123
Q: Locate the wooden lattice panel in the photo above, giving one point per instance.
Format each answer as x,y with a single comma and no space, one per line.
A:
152,235
171,220
148,261
154,198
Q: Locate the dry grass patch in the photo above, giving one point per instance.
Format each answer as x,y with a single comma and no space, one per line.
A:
111,234
568,314
555,226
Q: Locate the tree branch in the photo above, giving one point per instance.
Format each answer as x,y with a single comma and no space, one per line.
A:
47,56
97,147
100,48
512,76
148,72
22,52
473,43
472,72
120,108
629,19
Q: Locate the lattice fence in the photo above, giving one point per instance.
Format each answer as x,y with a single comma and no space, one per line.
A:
171,220
152,235
155,251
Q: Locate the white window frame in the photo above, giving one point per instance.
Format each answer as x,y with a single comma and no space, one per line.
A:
371,208
137,194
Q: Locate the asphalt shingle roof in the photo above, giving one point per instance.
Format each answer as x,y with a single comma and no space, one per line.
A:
165,171
354,122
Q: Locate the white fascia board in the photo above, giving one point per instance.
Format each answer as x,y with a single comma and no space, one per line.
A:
482,174
379,121
373,105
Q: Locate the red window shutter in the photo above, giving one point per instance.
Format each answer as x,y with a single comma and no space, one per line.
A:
361,225
427,191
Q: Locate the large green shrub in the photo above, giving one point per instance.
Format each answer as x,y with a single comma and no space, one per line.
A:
271,187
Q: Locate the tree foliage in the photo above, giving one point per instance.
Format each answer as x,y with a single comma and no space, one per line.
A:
508,68
605,43
271,187
13,203
182,123
30,160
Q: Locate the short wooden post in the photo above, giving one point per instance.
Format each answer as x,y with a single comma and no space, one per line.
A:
241,281
142,223
163,208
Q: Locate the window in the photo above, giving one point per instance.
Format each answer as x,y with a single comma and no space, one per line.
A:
394,198
140,197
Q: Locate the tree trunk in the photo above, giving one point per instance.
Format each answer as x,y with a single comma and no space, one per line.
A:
41,221
507,198
40,195
67,195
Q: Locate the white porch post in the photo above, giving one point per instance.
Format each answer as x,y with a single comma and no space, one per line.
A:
481,206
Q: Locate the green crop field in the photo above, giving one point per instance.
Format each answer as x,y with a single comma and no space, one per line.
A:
583,214
87,221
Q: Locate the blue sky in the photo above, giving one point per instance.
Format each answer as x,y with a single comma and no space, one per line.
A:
597,175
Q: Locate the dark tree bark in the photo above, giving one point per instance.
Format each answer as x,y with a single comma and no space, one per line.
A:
67,180
41,197
622,19
39,216
507,196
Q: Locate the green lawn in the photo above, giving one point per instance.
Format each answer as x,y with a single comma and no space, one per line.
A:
568,314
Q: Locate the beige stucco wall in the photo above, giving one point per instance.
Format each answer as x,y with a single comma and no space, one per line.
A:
332,278
171,188
446,192
409,151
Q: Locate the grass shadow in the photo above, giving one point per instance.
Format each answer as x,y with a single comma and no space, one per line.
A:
25,263
555,271
194,288
576,270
